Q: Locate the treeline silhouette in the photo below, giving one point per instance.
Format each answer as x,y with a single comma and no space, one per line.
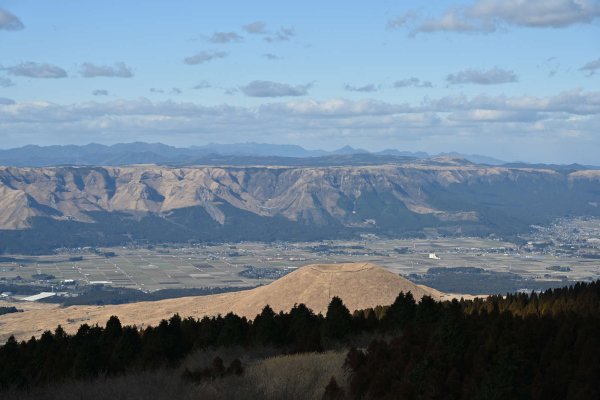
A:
9,310
518,347
521,346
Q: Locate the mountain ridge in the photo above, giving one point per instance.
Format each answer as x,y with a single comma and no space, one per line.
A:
158,153
46,208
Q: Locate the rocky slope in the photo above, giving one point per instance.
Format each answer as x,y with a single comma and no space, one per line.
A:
378,198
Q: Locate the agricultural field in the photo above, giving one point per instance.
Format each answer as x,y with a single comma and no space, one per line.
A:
253,263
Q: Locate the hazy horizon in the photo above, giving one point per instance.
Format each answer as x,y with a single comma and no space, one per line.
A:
306,148
509,79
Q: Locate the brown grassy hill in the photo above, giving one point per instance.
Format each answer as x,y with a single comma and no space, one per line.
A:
359,285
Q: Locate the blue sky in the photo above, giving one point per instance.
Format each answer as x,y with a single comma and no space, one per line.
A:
514,79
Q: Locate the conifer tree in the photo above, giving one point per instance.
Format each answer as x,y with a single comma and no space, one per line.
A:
338,321
401,312
333,391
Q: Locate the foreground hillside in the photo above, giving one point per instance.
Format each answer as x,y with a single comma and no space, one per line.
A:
45,208
519,346
360,286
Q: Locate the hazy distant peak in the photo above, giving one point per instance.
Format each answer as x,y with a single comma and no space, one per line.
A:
349,150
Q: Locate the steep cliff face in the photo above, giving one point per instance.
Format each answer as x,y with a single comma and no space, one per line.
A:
388,197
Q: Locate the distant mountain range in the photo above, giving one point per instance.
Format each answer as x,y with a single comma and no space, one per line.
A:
210,154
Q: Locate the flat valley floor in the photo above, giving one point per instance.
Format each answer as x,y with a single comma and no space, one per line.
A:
177,267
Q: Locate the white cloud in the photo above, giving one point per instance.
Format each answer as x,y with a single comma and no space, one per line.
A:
274,89
484,16
573,116
202,85
337,108
492,76
257,27
271,56
204,56
119,70
225,37
370,88
401,20
536,13
37,70
485,115
9,21
282,35
591,68
454,20
6,82
412,82
574,102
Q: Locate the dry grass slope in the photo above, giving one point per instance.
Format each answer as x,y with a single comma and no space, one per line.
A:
292,377
359,285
